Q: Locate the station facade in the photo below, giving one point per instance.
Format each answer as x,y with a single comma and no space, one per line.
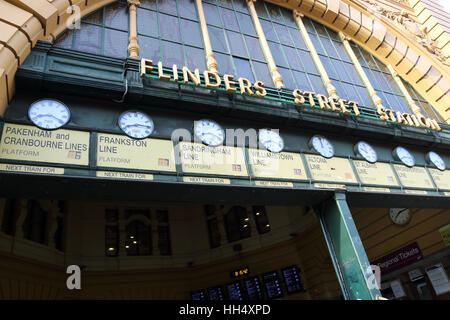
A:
225,149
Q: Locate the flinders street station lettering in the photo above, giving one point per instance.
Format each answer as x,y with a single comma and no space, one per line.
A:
212,80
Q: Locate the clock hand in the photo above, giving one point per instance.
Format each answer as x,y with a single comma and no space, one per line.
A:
398,213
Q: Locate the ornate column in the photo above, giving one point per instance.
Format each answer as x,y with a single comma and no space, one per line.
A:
323,73
276,76
211,63
51,206
413,106
373,94
133,46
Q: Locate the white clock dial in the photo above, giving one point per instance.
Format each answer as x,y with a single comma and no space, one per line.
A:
322,146
404,156
366,151
209,132
400,216
49,114
136,124
436,160
271,140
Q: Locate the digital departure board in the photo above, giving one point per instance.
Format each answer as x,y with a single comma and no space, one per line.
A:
215,293
234,291
291,276
272,284
253,288
198,295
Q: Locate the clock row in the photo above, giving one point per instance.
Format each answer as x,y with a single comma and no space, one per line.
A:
49,114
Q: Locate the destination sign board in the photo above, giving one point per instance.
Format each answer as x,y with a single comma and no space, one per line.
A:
283,165
415,177
375,173
335,169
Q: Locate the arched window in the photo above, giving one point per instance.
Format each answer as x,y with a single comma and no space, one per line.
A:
288,48
103,32
382,80
234,40
427,109
35,224
237,224
139,239
337,63
169,31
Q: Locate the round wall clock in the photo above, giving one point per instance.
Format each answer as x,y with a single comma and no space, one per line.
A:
366,151
136,124
400,216
49,114
209,132
404,156
322,146
436,160
271,140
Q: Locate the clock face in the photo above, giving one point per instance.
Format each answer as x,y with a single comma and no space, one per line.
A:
366,151
400,216
436,160
322,146
49,114
271,140
209,132
404,156
136,124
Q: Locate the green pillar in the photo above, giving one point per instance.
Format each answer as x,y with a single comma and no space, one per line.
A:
346,249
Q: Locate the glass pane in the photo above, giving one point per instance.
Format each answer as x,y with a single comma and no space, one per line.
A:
65,40
150,4
236,44
365,98
191,33
169,28
167,6
317,84
269,32
243,68
149,49
88,39
246,24
351,92
288,17
116,43
329,67
254,48
147,22
188,9
217,39
172,53
211,15
288,80
224,62
261,9
229,19
195,58
277,54
293,58
262,73
298,40
94,17
240,5
225,3
302,81
116,16
307,61
283,35
351,72
275,13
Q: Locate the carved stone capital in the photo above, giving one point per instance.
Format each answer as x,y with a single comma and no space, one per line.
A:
211,63
277,78
297,14
135,3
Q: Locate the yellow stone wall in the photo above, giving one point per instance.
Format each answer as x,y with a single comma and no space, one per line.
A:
23,22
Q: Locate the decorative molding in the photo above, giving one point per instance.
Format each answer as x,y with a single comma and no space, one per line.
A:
404,21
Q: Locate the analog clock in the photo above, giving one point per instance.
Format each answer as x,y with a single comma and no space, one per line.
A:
404,156
271,140
136,124
49,114
400,216
436,160
209,132
322,146
366,151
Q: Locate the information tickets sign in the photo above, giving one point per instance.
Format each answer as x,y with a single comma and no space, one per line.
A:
441,178
28,143
335,169
119,151
221,160
283,165
415,177
375,173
